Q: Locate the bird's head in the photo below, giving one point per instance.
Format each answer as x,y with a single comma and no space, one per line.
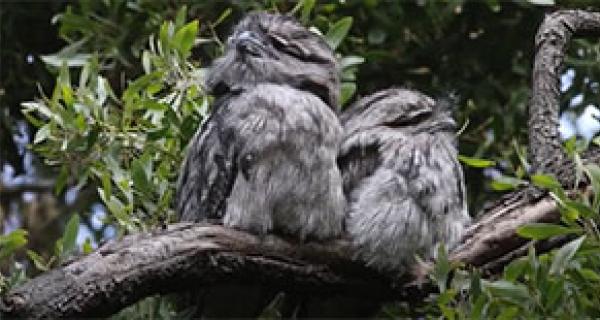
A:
398,108
276,48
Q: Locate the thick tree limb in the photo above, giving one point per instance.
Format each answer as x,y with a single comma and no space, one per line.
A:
185,256
189,256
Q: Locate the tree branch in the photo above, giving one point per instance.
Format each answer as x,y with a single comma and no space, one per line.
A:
187,256
551,42
24,185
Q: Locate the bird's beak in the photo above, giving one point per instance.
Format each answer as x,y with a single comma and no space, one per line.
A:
249,42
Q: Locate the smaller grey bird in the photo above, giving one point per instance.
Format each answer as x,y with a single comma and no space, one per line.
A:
402,177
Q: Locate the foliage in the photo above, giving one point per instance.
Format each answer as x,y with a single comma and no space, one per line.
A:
130,145
560,284
9,244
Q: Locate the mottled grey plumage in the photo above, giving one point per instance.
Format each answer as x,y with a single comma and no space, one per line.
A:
265,160
402,177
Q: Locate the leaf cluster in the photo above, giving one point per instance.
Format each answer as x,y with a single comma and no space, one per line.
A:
558,284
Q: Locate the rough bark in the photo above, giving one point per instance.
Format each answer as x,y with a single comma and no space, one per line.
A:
551,42
189,256
185,256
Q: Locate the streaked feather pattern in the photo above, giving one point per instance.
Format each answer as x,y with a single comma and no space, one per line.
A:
401,175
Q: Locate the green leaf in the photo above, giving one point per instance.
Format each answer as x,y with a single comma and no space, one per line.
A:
87,246
80,123
589,274
554,292
441,269
11,242
146,63
37,260
33,120
103,90
226,13
502,186
448,312
569,214
140,175
106,185
596,141
515,269
532,259
154,88
38,107
307,7
350,61
64,77
84,76
477,311
476,162
117,209
504,183
563,256
181,15
184,38
347,91
593,173
571,145
446,297
42,134
580,208
539,231
140,84
475,283
515,292
58,247
338,32
69,239
164,35
545,181
67,94
155,105
57,60
61,181
508,313
542,2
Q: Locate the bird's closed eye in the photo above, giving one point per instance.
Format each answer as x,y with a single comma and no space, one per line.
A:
278,40
411,118
290,48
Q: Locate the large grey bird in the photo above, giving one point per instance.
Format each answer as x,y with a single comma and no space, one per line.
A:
265,160
402,177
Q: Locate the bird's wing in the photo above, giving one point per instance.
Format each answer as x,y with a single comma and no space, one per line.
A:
385,222
428,165
412,200
359,156
208,171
